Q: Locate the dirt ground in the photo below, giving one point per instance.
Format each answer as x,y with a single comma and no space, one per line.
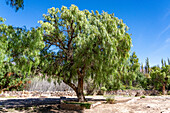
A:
136,105
149,104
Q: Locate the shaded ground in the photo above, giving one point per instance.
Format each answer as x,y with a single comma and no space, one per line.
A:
157,104
11,103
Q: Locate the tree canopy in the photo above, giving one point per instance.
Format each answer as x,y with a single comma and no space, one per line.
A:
19,49
76,46
83,44
17,4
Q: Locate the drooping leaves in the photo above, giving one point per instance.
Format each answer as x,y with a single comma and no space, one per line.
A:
19,49
81,41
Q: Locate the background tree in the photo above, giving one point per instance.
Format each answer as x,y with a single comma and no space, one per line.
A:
129,76
147,68
160,76
132,68
142,68
80,44
163,62
19,49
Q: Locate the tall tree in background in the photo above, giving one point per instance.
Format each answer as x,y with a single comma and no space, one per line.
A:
134,60
142,68
147,67
82,45
162,62
134,67
160,76
168,61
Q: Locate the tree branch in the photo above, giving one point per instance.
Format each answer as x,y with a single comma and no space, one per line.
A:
70,84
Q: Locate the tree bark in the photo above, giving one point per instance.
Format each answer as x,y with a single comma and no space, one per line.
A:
163,89
79,92
164,85
78,89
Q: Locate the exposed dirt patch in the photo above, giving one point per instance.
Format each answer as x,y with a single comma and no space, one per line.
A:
157,104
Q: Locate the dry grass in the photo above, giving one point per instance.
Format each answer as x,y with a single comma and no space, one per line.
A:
39,84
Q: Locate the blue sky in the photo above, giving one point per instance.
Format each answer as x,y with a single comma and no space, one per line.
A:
148,20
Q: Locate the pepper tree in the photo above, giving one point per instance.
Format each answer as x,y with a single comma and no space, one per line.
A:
19,54
82,44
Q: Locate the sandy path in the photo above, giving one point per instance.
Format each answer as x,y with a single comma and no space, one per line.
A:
144,105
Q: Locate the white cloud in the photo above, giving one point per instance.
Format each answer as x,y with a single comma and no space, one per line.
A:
163,48
164,30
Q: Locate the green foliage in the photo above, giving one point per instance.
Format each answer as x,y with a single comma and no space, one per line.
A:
11,81
168,93
85,44
128,76
75,46
142,96
147,66
103,89
141,81
110,99
133,69
19,49
168,61
142,68
17,4
115,83
160,76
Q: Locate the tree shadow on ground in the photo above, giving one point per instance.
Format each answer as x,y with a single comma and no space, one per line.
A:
40,109
38,105
11,103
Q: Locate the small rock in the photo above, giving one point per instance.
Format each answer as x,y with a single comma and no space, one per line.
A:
148,106
96,104
137,94
44,96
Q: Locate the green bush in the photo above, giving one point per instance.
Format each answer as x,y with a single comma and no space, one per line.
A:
142,96
11,82
103,89
110,99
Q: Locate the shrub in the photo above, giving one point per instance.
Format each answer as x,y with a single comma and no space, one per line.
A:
168,93
103,89
110,99
11,81
142,96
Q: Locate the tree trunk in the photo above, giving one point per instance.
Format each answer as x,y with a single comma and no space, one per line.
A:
78,89
79,92
164,85
163,89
